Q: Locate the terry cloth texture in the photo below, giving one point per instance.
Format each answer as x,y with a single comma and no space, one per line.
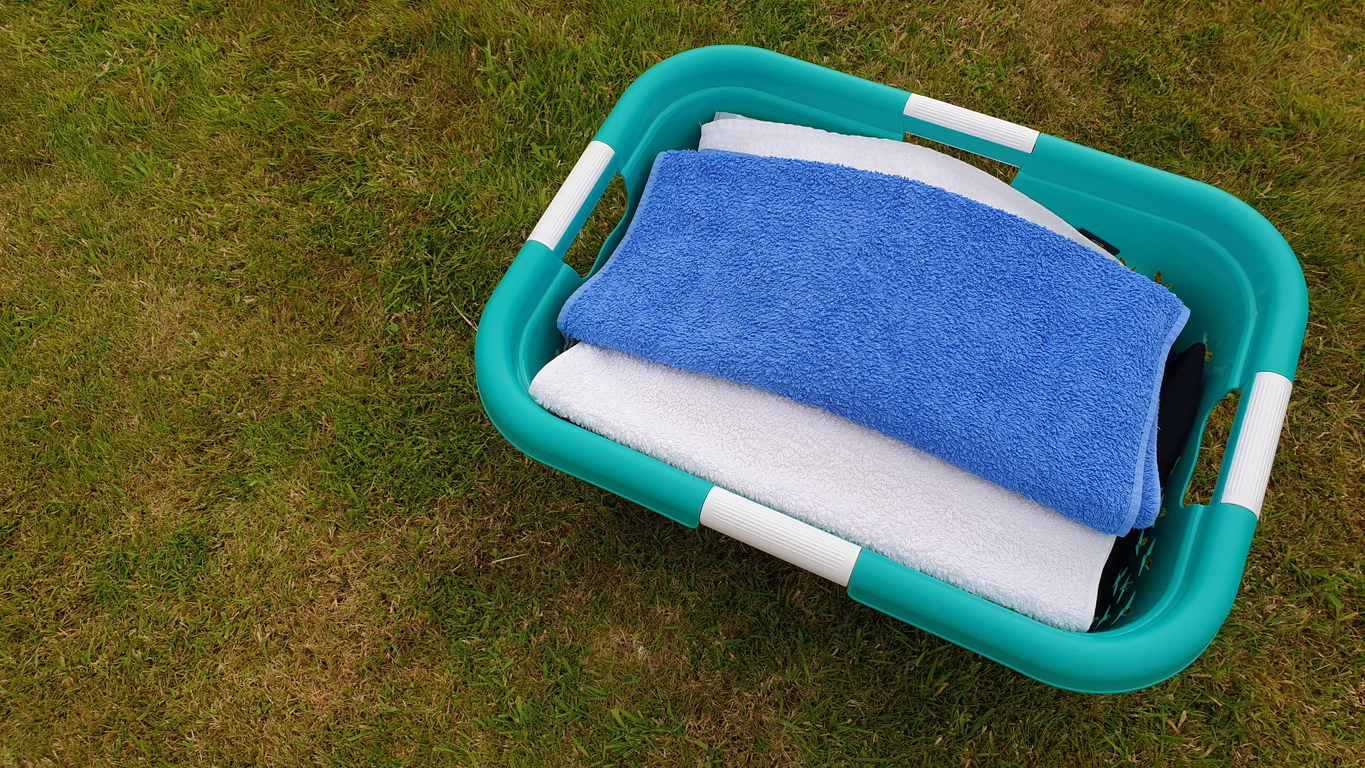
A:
734,133
838,476
967,332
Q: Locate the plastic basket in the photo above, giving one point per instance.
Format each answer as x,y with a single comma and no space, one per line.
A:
1232,268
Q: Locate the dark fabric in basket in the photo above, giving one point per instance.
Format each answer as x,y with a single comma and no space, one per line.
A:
1181,389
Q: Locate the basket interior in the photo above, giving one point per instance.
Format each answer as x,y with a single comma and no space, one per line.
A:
1201,272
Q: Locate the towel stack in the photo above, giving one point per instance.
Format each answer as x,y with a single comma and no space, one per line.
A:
885,343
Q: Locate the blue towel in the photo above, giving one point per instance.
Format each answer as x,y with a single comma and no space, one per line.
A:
965,331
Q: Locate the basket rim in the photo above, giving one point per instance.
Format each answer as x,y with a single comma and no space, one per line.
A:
1215,539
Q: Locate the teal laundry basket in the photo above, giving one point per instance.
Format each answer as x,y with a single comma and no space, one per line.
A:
1241,281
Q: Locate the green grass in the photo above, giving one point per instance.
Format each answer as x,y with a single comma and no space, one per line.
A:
251,511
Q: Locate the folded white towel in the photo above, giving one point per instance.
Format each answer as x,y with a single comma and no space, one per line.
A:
852,481
734,133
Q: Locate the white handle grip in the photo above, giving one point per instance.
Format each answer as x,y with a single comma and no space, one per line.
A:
1256,441
964,120
571,196
767,529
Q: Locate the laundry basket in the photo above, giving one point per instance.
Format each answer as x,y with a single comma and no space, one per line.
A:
1241,281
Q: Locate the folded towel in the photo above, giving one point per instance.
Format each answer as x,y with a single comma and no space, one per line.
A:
838,476
967,332
734,133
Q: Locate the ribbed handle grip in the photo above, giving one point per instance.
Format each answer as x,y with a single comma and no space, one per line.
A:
571,196
1257,440
780,536
964,120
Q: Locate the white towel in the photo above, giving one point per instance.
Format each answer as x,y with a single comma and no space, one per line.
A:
846,479
735,133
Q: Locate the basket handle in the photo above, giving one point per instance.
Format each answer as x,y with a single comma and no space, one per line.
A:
970,122
569,205
1258,435
780,535
969,130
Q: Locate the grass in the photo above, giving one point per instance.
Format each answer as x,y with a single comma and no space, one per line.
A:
251,511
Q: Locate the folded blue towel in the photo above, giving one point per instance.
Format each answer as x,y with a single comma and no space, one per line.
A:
965,331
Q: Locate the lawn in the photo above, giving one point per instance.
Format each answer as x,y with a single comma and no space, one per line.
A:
252,513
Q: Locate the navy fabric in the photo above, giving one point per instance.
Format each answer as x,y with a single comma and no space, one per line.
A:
1180,390
965,331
